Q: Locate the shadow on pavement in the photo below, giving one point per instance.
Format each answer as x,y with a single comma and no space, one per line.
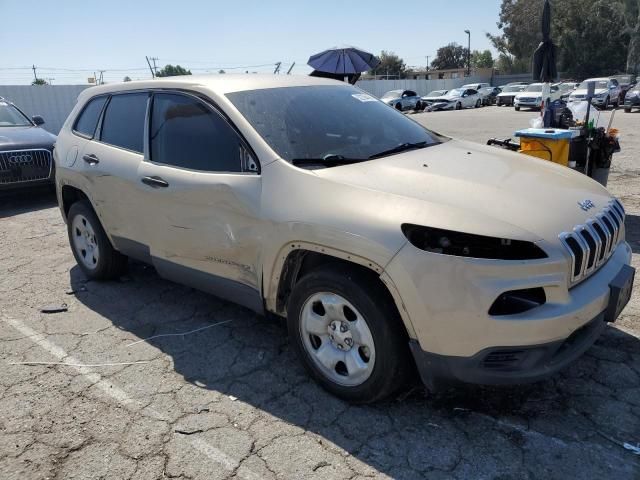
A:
552,429
16,202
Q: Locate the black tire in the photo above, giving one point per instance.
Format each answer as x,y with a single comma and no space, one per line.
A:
478,103
399,107
627,110
111,264
517,109
458,106
392,367
606,104
419,107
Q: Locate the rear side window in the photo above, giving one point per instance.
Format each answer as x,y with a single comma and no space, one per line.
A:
88,119
186,133
123,123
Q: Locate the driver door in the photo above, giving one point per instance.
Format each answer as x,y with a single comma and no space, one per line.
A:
201,196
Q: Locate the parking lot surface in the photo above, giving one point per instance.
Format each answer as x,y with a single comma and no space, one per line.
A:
143,399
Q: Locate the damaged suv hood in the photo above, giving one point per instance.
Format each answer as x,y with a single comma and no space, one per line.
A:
473,188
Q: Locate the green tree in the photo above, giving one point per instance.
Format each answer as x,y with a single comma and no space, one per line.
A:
482,59
221,72
390,64
631,12
126,79
40,81
450,56
172,71
590,35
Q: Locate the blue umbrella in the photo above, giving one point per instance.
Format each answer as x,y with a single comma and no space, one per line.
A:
343,61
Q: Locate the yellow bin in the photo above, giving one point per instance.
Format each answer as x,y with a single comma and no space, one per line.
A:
550,144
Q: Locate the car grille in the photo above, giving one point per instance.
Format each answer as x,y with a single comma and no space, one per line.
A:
25,165
528,99
591,244
578,97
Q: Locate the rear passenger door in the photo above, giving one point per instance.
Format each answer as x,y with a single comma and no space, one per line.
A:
201,200
110,162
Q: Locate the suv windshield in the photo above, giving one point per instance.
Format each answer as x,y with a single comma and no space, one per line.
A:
329,125
512,88
10,116
534,87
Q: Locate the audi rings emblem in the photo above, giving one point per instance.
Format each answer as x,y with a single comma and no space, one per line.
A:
21,159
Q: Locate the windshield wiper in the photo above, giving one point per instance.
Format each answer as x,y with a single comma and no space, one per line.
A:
403,147
328,160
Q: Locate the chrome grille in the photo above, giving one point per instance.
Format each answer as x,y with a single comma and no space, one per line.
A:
18,166
591,244
528,99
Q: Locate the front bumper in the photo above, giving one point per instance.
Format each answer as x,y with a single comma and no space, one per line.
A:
527,103
505,100
442,106
447,300
630,102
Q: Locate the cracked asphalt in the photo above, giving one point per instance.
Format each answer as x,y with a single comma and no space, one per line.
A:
231,401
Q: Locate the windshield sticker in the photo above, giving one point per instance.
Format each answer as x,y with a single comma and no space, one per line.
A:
363,97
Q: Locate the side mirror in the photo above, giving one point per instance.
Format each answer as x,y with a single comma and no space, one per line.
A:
38,120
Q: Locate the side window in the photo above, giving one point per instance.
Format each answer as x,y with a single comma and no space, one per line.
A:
88,120
186,133
123,123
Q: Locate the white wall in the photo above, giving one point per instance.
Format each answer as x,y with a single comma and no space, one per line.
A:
53,102
421,87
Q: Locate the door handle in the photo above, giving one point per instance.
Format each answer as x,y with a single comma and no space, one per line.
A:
155,182
91,159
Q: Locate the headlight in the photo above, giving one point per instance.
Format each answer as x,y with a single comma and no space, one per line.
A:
459,244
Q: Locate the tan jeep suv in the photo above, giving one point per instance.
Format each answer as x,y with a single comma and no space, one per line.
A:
387,246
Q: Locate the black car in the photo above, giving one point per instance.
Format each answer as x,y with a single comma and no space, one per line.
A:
26,149
632,98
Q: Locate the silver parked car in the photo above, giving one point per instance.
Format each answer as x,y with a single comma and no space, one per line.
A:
402,100
385,245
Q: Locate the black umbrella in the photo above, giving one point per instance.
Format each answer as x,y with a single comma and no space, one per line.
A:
342,62
544,58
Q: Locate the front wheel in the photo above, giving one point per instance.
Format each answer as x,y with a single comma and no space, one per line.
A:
458,106
517,109
348,334
478,103
627,110
606,104
419,107
399,107
90,245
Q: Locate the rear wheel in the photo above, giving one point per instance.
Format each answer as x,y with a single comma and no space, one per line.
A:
627,110
606,104
478,103
458,106
348,334
90,245
419,107
517,109
399,106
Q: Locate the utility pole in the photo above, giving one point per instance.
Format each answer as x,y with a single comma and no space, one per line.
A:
101,82
427,58
277,69
155,69
290,68
35,77
50,81
468,32
150,69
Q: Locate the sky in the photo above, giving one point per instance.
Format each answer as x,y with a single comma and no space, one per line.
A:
67,40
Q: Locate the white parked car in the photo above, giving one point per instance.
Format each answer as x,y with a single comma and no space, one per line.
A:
386,246
457,99
428,99
531,97
607,92
402,100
